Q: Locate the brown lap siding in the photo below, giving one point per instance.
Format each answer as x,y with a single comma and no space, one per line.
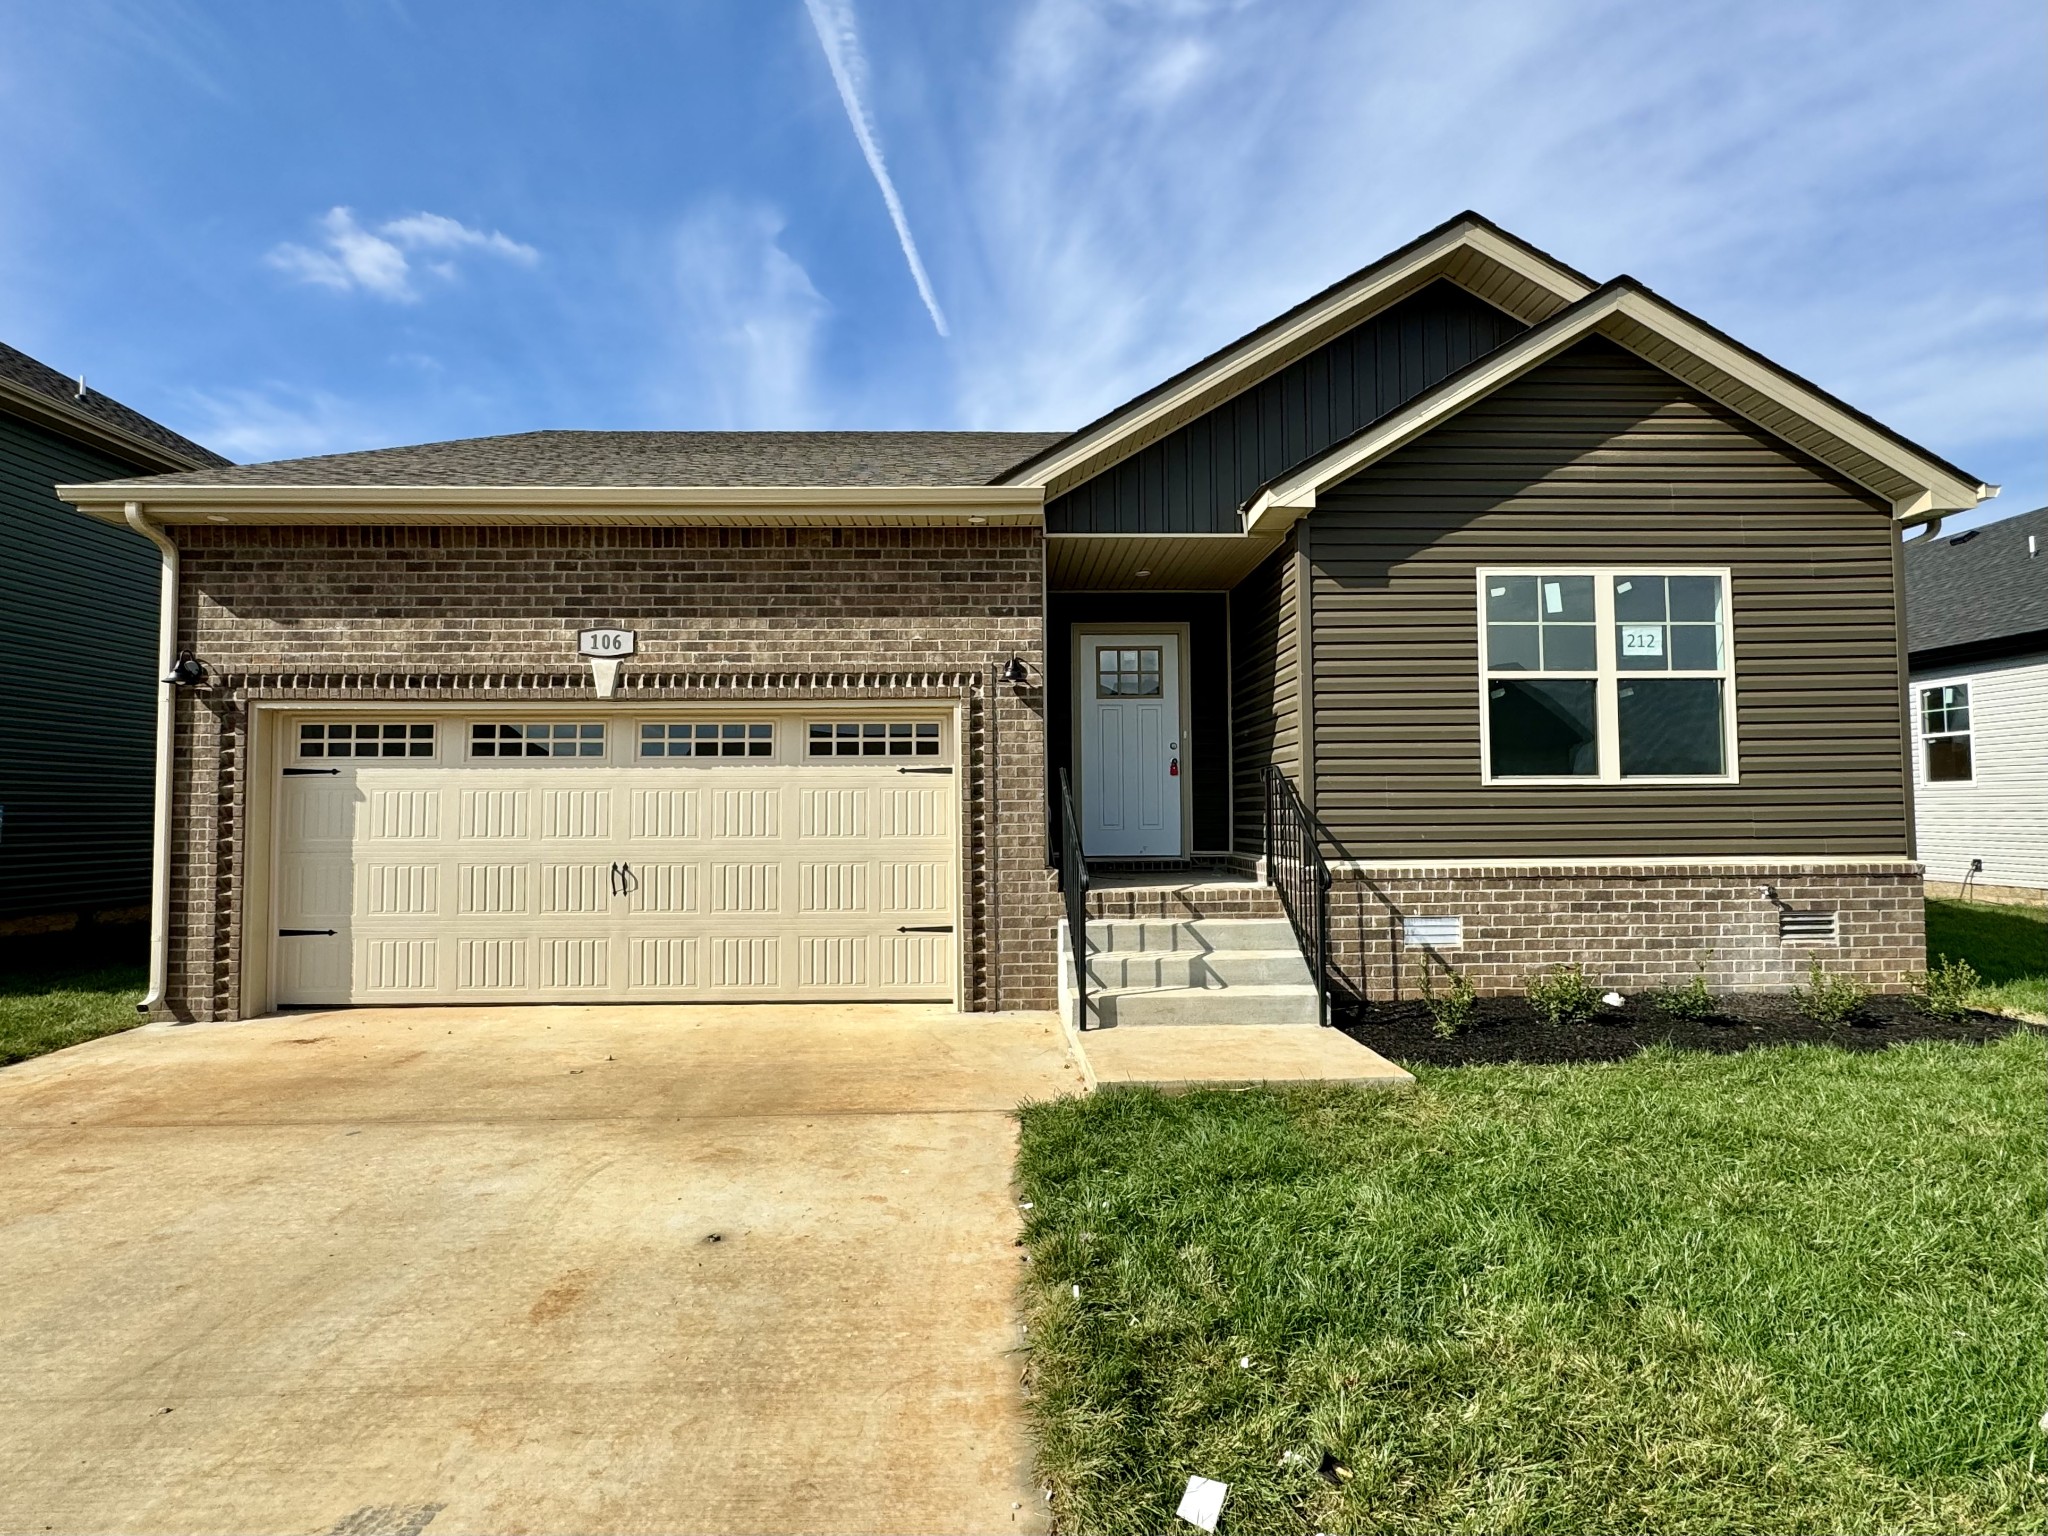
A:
1600,459
485,614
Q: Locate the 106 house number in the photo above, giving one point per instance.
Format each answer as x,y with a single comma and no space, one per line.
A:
605,642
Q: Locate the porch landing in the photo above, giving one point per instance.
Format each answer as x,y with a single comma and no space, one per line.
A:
1227,1056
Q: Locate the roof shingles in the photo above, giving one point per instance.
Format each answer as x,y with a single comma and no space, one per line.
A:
25,373
1978,587
654,459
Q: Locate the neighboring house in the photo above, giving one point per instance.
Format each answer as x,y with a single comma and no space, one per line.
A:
1977,630
1574,620
78,624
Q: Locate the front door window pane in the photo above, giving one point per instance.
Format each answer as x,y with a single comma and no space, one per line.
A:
1129,672
1670,726
1542,728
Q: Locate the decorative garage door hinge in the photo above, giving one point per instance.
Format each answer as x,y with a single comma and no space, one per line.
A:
939,928
300,773
924,770
305,933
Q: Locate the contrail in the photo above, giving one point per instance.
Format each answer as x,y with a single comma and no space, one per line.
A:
838,36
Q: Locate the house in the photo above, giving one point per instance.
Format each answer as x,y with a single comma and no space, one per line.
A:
1977,638
78,622
1571,621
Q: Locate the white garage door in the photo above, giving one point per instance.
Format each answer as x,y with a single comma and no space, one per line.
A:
498,859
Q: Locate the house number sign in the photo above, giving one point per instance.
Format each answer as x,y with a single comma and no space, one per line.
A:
1642,639
605,644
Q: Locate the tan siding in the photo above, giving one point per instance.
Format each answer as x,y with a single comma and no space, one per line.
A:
1266,687
1599,459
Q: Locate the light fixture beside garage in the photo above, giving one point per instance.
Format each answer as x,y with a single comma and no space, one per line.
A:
188,671
1015,673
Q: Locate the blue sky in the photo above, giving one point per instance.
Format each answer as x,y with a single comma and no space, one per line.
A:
307,228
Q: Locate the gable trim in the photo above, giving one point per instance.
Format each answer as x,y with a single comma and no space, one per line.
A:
1916,484
1470,251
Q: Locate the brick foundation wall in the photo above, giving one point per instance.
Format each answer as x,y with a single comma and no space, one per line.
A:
490,614
1631,928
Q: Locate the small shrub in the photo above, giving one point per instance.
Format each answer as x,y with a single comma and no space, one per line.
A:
1563,995
1450,1012
1692,1002
1945,987
1829,999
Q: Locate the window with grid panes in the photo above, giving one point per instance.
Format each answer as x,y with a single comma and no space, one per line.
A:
1945,733
366,738
873,738
553,738
707,738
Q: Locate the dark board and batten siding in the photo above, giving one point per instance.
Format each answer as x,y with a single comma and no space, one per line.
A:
78,624
1195,478
1265,680
1598,458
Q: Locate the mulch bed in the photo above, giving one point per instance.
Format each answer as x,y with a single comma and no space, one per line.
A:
1507,1029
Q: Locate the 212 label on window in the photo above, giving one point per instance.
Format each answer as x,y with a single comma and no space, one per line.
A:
1642,639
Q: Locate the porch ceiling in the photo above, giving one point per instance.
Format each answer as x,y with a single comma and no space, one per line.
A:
1098,562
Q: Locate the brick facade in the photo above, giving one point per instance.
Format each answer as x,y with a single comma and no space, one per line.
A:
486,614
1631,928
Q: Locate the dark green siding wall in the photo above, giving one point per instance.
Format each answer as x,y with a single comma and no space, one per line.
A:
1265,686
1208,764
1597,458
78,628
1194,479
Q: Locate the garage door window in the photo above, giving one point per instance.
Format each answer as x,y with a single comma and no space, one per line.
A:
874,738
497,738
707,738
365,738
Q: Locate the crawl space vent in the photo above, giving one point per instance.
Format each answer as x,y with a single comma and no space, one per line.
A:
1432,932
1807,928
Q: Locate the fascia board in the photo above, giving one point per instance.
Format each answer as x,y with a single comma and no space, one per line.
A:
1289,497
1359,300
384,503
58,417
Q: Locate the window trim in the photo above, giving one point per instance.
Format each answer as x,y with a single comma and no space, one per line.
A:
1607,678
1921,688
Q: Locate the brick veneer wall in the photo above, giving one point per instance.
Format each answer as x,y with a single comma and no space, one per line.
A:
490,614
1631,928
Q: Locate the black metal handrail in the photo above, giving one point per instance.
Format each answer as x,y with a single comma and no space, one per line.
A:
1074,887
1296,868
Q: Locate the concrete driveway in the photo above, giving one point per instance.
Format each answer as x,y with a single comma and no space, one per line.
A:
535,1269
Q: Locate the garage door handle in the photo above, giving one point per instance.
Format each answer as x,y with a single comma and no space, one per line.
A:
941,928
300,773
305,933
924,770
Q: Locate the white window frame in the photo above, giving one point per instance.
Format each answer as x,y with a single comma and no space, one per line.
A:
352,758
1607,678
1920,737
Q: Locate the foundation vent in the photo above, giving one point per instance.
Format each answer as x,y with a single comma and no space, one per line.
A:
1432,932
1809,927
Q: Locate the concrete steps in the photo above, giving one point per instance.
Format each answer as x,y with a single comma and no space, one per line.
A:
1192,971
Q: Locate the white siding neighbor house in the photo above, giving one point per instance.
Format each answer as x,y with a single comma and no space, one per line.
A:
1977,630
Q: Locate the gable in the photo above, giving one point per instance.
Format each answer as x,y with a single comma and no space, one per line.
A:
1598,429
1196,478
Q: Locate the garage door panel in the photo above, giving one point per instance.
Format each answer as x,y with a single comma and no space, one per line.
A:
585,880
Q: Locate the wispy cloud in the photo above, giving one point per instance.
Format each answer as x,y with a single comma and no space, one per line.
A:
839,35
280,421
744,324
351,258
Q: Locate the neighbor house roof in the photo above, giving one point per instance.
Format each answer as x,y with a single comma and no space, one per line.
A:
574,460
43,395
1981,592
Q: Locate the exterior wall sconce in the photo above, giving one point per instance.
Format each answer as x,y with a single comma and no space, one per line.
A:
1015,673
188,671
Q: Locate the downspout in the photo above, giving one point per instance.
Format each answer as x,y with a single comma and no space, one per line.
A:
166,708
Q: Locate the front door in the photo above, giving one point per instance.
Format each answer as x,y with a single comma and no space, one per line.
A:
1132,769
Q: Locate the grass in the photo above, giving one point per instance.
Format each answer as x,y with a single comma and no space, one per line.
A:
48,1005
1795,1290
2007,945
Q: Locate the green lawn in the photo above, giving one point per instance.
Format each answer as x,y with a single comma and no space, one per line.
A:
2007,945
45,1008
1795,1290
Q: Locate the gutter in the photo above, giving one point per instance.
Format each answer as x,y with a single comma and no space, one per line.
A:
166,720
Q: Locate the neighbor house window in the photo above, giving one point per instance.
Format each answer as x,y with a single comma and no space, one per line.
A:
1945,731
874,738
366,738
1606,675
497,738
707,738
